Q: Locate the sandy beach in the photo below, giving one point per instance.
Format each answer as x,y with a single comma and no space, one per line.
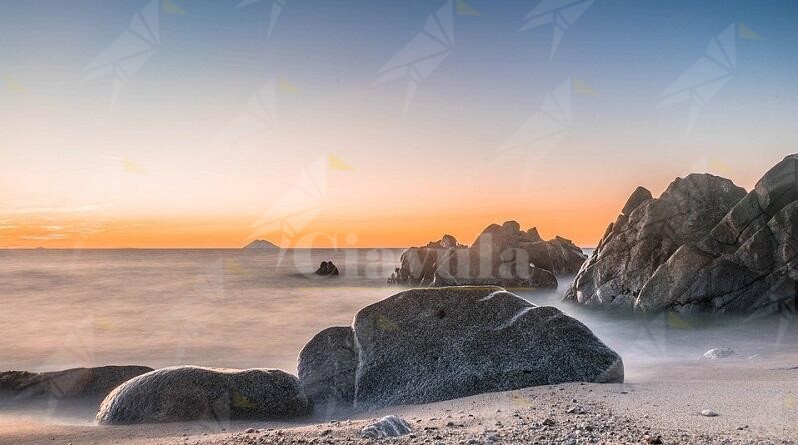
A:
755,400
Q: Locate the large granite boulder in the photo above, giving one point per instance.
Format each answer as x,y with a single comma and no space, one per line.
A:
502,255
327,366
187,393
425,345
725,252
78,383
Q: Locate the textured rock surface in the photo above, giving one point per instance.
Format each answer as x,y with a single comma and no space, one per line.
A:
418,264
388,426
703,246
639,196
188,393
635,245
511,269
77,383
425,345
502,255
327,367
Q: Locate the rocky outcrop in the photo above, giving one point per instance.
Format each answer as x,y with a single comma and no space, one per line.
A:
639,196
425,345
187,393
418,264
703,246
502,255
327,269
327,366
77,383
511,270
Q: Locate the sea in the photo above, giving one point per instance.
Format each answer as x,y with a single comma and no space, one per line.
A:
237,308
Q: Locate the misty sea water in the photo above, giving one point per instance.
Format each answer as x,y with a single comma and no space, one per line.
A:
257,308
227,308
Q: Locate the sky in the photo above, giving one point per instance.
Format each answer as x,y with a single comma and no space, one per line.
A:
375,123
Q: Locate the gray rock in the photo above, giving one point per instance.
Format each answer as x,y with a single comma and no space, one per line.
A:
187,393
510,271
418,264
652,256
672,284
754,266
327,367
719,353
709,413
77,383
639,196
502,255
425,345
702,246
388,426
327,269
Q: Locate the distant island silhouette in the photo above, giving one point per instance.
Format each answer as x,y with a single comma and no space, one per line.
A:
261,244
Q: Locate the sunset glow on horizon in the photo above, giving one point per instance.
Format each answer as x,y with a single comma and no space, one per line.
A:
220,131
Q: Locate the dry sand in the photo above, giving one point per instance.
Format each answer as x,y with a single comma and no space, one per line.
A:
757,402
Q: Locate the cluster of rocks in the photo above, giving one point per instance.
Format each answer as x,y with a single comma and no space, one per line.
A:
502,255
427,345
418,264
418,346
705,245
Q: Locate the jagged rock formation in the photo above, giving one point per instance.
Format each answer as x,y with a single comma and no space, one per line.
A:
186,393
704,245
426,345
501,255
418,264
77,383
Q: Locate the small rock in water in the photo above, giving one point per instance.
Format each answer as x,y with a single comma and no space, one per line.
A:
709,413
718,353
388,426
327,269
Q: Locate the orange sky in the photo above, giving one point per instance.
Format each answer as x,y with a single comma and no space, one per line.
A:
401,232
348,214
